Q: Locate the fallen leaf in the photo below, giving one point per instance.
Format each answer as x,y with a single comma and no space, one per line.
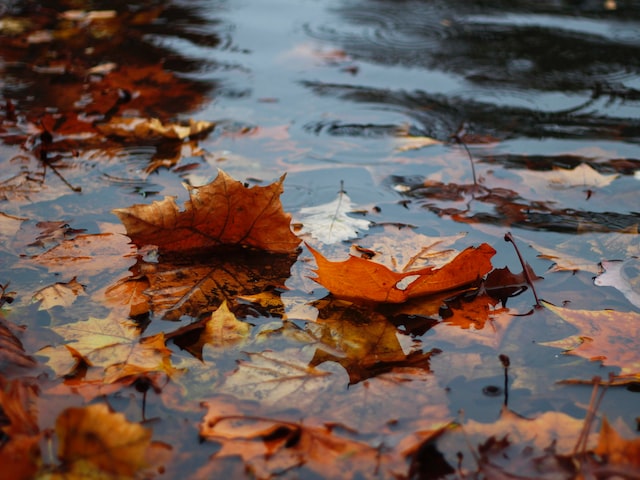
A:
330,223
363,341
269,446
618,453
407,143
622,275
113,345
59,294
87,255
150,127
196,285
418,251
224,212
276,379
583,175
361,279
12,352
20,452
604,335
95,441
218,330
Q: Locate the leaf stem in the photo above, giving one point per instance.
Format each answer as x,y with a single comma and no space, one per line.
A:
525,268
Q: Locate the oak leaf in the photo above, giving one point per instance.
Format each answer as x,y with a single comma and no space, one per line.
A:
223,212
361,279
604,335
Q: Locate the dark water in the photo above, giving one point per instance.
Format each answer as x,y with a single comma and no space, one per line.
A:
327,91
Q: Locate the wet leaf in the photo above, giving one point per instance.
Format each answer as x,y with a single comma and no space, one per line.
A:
195,285
59,294
624,276
619,454
269,446
361,279
219,330
603,335
330,223
95,441
224,212
12,353
113,345
364,342
151,127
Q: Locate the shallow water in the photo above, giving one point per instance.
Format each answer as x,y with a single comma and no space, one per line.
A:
329,93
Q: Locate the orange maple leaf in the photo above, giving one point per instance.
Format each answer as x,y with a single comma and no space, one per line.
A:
223,212
357,278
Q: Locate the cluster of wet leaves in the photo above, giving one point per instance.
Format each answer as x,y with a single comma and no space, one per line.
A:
207,315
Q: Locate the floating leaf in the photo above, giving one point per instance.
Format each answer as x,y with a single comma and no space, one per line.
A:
361,279
59,294
624,276
330,223
224,212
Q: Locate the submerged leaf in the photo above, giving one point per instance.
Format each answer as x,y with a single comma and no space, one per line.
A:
605,335
93,439
224,212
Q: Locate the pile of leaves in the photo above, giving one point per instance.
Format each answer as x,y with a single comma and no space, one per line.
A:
219,338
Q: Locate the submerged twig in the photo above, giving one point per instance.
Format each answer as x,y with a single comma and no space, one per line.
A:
458,138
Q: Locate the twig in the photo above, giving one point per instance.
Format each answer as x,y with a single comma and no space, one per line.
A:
458,138
509,238
504,359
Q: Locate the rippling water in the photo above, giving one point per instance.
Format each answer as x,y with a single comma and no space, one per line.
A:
329,92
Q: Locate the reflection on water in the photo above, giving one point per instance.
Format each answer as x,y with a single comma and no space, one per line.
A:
332,93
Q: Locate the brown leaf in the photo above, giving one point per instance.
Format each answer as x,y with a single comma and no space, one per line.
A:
269,446
617,451
361,279
224,212
364,342
94,438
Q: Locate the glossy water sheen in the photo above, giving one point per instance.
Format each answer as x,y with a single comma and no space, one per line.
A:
322,90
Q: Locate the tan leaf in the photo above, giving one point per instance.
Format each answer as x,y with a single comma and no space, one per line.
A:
59,294
150,127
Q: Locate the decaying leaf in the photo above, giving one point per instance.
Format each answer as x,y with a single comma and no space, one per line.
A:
59,294
93,440
604,335
20,450
224,212
150,127
12,352
218,330
361,279
623,275
268,446
276,379
113,345
619,454
363,341
198,284
330,223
